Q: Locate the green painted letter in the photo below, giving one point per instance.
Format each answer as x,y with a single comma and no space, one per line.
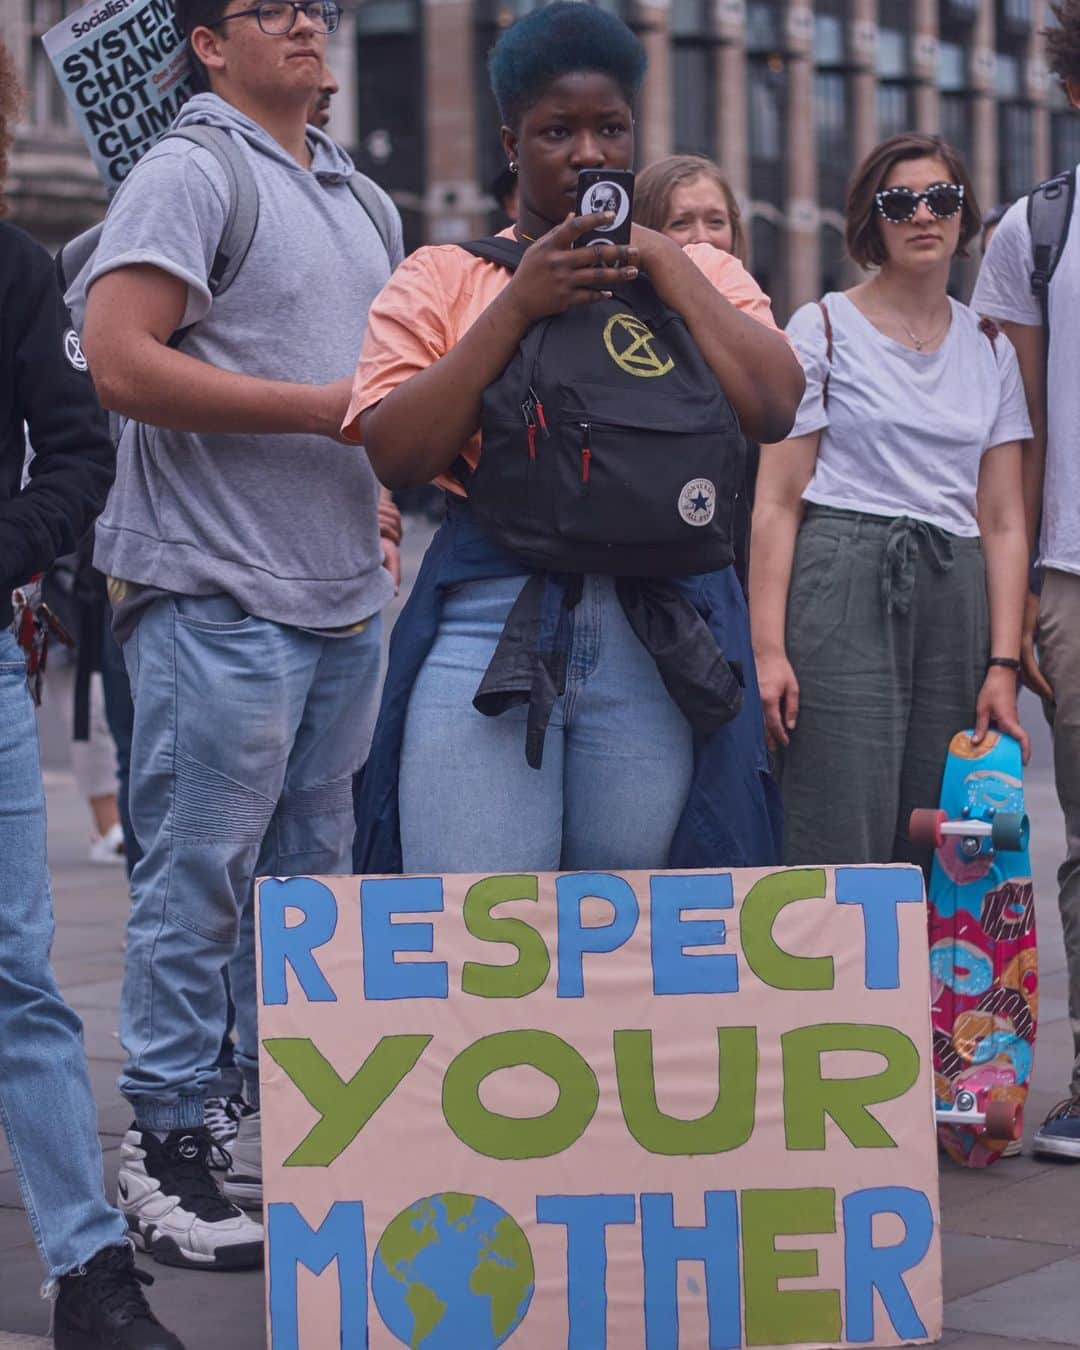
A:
777,1316
730,1122
809,1098
769,962
345,1107
497,1136
523,976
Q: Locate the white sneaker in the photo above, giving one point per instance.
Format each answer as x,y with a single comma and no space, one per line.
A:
107,850
222,1116
174,1208
243,1181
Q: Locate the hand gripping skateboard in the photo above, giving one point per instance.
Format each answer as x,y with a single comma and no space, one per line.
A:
983,962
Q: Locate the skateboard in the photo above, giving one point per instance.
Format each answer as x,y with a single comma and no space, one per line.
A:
984,979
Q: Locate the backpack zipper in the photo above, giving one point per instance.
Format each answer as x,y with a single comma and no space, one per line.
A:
586,452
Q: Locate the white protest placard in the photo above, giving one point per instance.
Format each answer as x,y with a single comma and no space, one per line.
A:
123,68
636,1111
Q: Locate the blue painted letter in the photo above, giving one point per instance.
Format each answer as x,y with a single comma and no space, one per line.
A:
295,944
586,1217
882,1268
879,890
340,1238
663,1246
575,938
674,970
385,978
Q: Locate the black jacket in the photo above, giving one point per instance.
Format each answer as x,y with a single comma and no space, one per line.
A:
44,382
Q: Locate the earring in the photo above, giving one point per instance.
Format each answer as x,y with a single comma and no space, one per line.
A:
512,166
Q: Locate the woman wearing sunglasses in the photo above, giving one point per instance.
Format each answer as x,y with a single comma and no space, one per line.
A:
889,558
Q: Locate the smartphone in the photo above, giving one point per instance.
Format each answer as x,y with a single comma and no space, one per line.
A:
606,190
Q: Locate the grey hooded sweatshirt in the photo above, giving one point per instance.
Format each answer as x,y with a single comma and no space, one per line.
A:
285,524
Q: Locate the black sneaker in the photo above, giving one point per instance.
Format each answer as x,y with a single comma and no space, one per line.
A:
1059,1134
174,1208
101,1306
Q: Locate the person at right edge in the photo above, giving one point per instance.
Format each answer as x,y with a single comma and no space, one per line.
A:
46,1100
534,718
1048,362
888,554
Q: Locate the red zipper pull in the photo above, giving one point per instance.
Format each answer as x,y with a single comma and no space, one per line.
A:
586,457
532,440
543,419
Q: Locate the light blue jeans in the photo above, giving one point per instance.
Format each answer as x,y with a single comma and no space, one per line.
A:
247,734
46,1104
618,758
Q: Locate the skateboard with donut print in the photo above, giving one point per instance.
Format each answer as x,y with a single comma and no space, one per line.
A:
984,977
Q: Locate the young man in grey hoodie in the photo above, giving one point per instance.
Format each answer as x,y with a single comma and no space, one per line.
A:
243,546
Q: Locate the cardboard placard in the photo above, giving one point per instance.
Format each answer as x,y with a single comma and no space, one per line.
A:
123,68
641,1111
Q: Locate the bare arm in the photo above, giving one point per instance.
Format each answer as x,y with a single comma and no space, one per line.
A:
1030,344
778,511
417,431
756,367
130,315
1004,539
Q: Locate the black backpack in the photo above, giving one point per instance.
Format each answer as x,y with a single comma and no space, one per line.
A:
608,443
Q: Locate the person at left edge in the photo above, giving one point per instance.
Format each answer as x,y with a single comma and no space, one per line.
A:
623,783
46,1101
243,546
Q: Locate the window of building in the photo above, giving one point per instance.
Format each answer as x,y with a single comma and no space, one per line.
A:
1014,16
895,105
1015,116
767,244
693,77
832,101
390,104
764,26
45,108
766,87
834,260
955,108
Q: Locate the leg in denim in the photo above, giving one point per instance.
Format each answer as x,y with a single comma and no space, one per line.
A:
220,697
617,756
312,827
46,1103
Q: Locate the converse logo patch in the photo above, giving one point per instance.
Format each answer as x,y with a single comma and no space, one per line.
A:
697,501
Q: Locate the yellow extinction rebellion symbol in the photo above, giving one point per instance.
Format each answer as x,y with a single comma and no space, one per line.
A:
630,346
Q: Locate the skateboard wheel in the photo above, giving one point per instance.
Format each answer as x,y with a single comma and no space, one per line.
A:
924,827
1003,1120
1009,832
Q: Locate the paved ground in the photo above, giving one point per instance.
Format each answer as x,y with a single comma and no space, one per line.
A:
1011,1234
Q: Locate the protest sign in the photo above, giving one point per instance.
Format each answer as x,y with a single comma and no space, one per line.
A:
642,1111
123,68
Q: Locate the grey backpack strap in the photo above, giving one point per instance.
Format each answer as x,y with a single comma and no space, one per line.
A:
1049,215
371,199
242,216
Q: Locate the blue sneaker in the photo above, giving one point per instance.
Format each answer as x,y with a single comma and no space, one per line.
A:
1059,1134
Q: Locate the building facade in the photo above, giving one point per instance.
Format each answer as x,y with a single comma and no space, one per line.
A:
787,95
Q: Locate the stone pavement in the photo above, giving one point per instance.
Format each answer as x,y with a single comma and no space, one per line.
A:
1011,1234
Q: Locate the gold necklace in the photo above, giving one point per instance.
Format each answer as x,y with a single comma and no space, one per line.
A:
522,235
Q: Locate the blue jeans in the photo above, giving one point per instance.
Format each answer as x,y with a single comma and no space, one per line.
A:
46,1104
247,734
618,758
121,718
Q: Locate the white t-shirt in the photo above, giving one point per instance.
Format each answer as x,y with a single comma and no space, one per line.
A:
904,431
1004,292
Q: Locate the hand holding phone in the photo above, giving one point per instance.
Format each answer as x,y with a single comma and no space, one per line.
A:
606,190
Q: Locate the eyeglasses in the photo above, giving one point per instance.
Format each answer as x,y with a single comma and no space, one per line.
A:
899,204
278,17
